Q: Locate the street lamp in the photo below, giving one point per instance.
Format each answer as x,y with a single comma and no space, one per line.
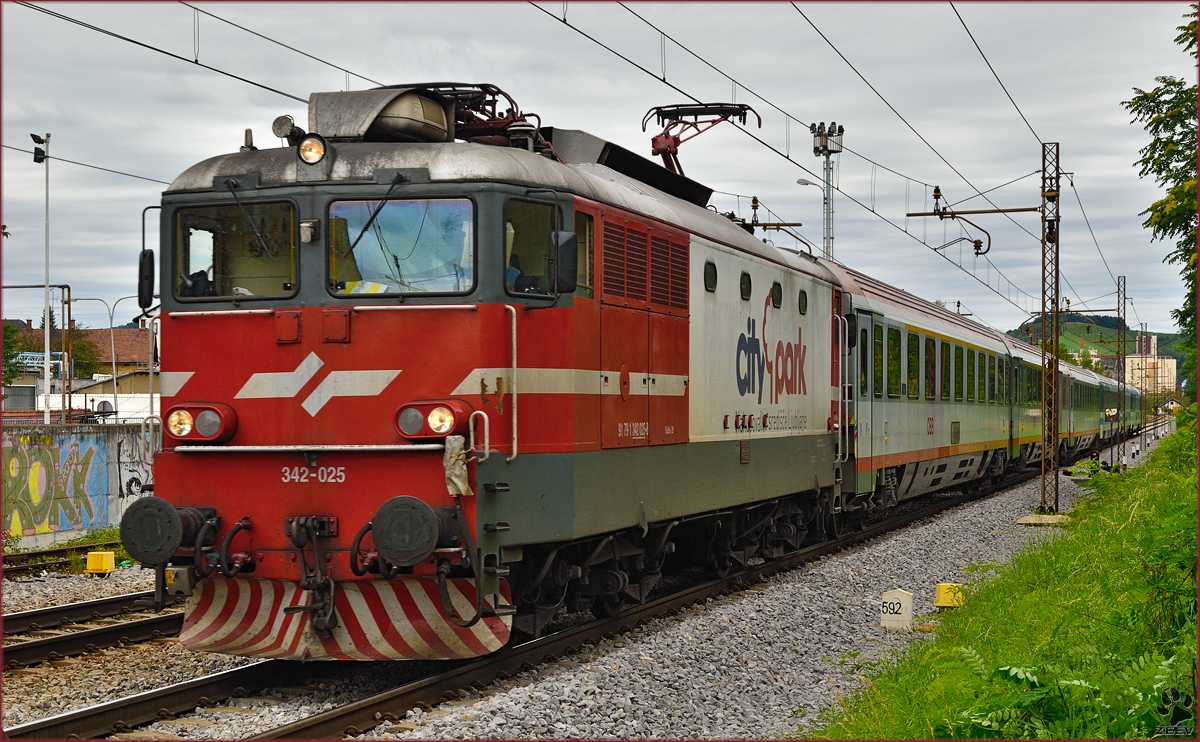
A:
827,142
112,342
43,155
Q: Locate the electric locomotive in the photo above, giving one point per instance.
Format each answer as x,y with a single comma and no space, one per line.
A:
433,372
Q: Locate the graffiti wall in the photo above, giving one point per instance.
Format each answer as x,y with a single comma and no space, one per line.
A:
66,479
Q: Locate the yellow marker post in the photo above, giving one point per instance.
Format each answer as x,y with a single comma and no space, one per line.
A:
948,595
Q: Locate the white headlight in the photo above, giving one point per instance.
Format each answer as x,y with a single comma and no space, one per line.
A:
311,149
441,420
208,423
180,423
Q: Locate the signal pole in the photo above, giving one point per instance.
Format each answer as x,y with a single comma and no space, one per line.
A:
43,155
1051,173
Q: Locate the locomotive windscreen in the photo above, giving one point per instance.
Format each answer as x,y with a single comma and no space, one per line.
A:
227,252
410,247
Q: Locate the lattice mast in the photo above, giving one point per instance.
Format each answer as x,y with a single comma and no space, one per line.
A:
1051,173
1122,388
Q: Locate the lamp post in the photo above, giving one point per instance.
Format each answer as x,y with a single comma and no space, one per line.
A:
827,142
826,249
112,342
43,155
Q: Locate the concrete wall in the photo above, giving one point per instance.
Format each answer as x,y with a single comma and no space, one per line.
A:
62,480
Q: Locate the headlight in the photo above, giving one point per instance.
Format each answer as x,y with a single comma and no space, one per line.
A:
180,423
311,149
411,421
441,420
208,423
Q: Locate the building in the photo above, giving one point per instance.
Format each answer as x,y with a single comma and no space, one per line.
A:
1152,374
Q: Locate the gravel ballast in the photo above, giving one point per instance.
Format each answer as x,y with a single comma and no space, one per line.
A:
30,592
735,667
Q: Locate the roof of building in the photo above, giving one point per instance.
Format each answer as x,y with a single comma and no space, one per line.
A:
132,343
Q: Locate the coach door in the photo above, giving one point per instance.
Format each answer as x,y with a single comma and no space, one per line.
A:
864,391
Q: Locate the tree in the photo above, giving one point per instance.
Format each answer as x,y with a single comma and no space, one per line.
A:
11,370
53,320
1168,113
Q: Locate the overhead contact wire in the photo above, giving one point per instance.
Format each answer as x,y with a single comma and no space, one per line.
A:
144,45
989,64
84,164
280,43
750,134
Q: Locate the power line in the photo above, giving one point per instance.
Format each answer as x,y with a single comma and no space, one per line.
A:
280,43
905,121
739,83
989,64
1071,180
84,164
994,188
788,157
106,32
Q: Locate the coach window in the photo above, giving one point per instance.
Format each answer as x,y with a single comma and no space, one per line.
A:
991,378
864,362
776,295
877,376
945,370
1000,379
914,366
746,286
417,246
235,252
958,373
894,371
585,232
803,302
970,376
710,277
930,368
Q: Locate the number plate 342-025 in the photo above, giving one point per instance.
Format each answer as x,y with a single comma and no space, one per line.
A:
316,474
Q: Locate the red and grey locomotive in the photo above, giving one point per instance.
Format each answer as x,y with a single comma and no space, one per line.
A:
433,372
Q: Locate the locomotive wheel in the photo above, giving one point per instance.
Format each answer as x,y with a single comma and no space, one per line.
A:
718,566
835,525
606,606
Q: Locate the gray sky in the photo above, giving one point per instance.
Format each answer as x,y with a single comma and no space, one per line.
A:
116,105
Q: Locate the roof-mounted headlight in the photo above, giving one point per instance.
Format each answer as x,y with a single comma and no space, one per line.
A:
311,149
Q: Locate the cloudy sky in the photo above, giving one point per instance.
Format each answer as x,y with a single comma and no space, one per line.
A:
113,104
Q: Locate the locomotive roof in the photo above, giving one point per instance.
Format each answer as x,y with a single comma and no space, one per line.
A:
449,162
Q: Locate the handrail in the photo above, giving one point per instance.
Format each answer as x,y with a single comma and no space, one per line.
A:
397,308
219,312
155,326
486,435
300,448
513,310
152,440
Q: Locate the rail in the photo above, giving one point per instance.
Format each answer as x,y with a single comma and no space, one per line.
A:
56,615
69,643
22,562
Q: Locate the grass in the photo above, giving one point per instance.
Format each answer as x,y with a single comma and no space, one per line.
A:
78,560
1078,637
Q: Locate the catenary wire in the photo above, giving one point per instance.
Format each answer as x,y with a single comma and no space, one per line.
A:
989,64
84,164
994,188
905,121
1089,226
739,83
280,43
144,45
787,157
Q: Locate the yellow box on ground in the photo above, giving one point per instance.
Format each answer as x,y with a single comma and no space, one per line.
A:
101,562
948,595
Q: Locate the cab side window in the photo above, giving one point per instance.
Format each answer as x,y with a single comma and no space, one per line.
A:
585,231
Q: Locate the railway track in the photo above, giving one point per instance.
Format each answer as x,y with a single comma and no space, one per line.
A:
74,628
27,562
125,714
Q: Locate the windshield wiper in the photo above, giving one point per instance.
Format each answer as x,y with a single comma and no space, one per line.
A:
395,182
230,183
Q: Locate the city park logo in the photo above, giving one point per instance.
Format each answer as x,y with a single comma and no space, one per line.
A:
757,369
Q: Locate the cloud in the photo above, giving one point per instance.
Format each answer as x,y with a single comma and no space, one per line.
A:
1068,66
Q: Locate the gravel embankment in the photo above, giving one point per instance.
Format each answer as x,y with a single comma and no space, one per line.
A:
51,588
738,666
